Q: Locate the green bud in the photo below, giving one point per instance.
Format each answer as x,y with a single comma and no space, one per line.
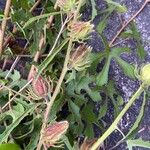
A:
145,74
79,59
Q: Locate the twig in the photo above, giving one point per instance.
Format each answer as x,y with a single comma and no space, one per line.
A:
4,63
16,94
58,36
121,41
125,24
12,67
3,26
36,57
14,63
29,56
9,37
41,45
50,19
15,29
35,5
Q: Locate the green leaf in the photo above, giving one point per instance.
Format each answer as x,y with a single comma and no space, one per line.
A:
83,83
75,110
18,115
15,79
3,81
101,26
9,146
88,114
95,59
138,143
102,77
136,35
48,59
120,8
117,51
94,94
50,36
94,11
71,76
89,118
24,4
15,76
128,69
35,135
16,17
17,110
127,34
67,143
33,19
103,23
89,131
111,91
136,125
36,28
103,109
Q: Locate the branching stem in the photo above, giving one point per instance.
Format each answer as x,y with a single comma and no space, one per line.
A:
117,120
126,24
57,89
35,5
62,76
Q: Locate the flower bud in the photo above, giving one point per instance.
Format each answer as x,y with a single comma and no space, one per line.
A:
54,132
67,5
79,59
80,30
39,85
145,74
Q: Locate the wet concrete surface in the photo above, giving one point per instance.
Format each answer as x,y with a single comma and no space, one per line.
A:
125,85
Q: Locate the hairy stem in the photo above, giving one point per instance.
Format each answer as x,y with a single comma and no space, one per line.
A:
49,105
116,121
62,76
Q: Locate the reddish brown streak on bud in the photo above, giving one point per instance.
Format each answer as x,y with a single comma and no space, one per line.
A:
39,85
54,132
